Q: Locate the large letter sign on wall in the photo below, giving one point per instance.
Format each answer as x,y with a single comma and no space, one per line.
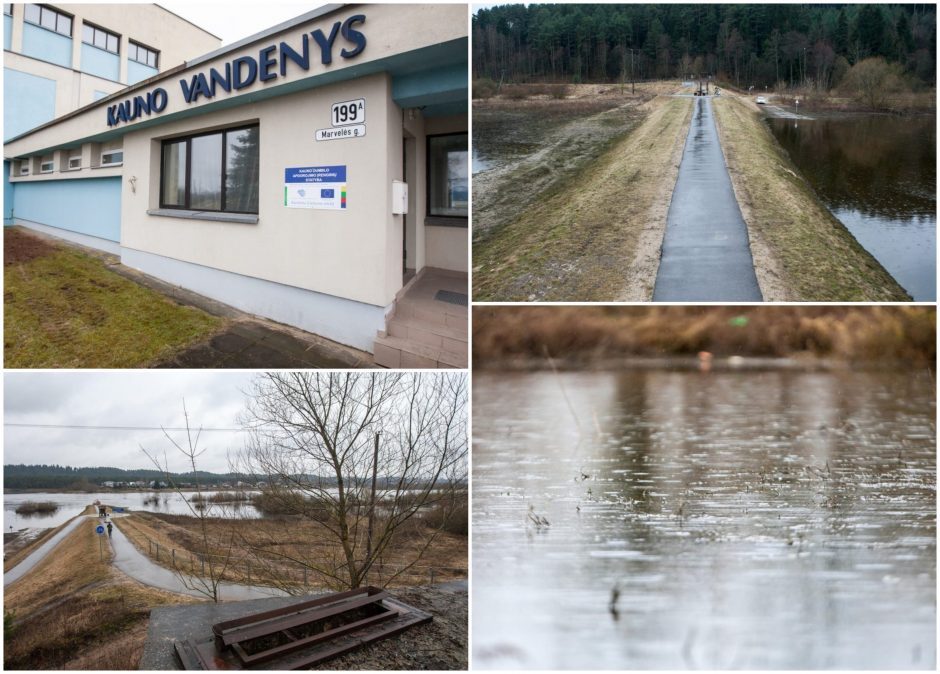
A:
322,187
271,62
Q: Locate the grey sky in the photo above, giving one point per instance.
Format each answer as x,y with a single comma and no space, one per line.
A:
233,21
148,398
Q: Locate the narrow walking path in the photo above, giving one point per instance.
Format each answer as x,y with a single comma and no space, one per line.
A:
37,555
135,564
705,254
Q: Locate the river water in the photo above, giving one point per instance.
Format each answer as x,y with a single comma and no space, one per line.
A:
877,174
71,505
754,520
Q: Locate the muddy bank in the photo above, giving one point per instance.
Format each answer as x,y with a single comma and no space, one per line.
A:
534,146
596,235
801,251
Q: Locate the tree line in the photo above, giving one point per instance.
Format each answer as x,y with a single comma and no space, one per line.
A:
54,476
750,45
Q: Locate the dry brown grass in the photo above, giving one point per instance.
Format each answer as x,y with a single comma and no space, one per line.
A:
262,545
73,611
893,334
798,245
580,243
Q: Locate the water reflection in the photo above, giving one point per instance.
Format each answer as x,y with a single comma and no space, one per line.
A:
877,174
768,520
71,505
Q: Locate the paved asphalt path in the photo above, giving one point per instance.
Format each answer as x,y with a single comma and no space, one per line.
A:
37,555
705,256
135,564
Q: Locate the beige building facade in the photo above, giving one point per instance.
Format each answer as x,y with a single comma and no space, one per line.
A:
307,174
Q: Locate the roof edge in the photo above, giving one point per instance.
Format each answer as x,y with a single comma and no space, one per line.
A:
183,18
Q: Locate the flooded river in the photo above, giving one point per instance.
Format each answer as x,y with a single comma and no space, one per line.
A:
877,174
71,505
771,519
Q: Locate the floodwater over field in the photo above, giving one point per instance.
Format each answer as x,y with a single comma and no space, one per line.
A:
479,163
877,174
769,519
71,505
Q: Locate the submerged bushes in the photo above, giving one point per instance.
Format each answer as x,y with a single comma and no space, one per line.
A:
36,507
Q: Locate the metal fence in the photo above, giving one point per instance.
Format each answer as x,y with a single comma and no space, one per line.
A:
281,572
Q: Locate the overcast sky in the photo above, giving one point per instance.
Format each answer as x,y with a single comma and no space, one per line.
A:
233,21
149,398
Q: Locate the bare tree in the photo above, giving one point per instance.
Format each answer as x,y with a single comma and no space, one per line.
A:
362,457
215,550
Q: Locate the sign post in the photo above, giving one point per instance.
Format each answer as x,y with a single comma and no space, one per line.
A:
100,530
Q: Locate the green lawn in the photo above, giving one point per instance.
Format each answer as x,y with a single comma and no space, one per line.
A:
64,308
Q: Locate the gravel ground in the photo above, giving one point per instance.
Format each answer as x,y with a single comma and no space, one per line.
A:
439,645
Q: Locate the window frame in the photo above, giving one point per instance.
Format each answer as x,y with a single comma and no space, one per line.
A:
187,200
107,34
74,168
50,164
105,153
136,46
59,14
455,220
24,167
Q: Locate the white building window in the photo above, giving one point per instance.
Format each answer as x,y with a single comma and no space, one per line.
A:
75,163
448,176
112,158
49,19
141,54
47,166
24,167
215,171
99,37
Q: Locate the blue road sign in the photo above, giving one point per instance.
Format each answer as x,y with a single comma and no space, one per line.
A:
99,529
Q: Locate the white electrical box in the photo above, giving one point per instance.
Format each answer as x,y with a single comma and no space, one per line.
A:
399,198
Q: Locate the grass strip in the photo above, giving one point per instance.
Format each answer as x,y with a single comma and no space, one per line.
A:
578,243
66,309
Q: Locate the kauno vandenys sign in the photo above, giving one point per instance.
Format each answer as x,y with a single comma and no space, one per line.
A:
241,72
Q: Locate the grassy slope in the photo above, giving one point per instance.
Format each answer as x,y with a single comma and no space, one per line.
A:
448,554
74,611
67,309
817,257
576,243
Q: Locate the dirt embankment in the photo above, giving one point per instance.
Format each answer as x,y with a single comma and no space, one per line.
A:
261,550
801,251
594,236
73,611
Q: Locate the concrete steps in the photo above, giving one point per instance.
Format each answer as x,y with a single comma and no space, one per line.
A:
422,331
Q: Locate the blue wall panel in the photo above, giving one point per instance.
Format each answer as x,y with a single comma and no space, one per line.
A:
28,101
48,46
7,194
89,206
100,62
137,72
7,31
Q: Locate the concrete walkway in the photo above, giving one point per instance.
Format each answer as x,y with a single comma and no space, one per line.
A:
37,555
135,564
705,256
